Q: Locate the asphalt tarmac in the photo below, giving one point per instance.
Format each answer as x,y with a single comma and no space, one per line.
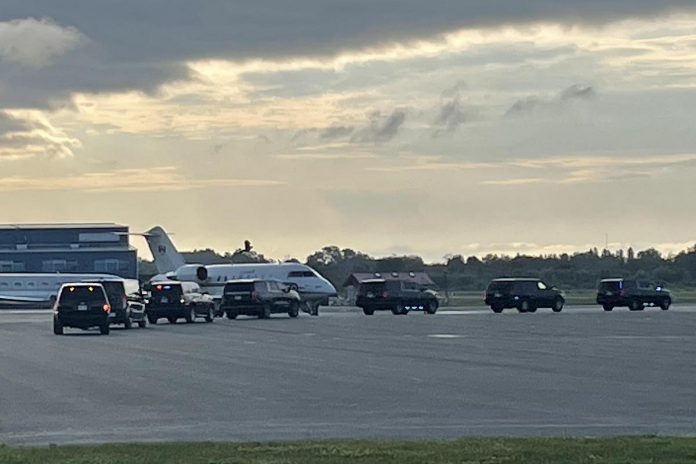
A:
582,372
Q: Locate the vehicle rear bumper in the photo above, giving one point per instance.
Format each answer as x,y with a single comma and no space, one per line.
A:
505,302
82,320
166,311
246,309
611,300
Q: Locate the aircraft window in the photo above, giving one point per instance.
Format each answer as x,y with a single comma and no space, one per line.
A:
4,284
44,284
30,284
301,274
17,284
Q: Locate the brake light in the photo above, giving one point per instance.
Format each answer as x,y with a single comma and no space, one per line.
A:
107,308
622,293
385,295
254,296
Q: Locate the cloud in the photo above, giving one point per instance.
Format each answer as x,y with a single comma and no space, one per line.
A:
534,102
158,179
26,134
451,116
379,130
336,132
35,43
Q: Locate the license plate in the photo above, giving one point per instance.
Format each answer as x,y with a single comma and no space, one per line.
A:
498,295
370,295
82,307
165,299
609,293
238,297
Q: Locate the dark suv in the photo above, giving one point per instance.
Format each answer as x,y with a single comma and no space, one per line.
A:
525,294
125,300
633,294
397,296
259,298
81,305
178,300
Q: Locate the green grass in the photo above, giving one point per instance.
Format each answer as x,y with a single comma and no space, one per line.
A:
490,451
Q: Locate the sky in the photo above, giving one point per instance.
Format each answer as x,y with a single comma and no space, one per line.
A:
391,127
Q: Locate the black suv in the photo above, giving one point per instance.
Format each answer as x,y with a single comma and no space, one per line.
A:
397,296
259,298
125,300
81,305
524,294
634,294
178,300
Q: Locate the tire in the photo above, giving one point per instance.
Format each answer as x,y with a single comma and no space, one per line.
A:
142,323
497,308
431,308
230,315
190,316
558,305
128,324
210,315
532,309
607,307
523,307
294,310
665,304
265,311
399,310
636,305
57,327
152,320
104,328
172,319
368,312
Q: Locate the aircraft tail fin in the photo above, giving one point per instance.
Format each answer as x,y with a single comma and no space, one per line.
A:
165,254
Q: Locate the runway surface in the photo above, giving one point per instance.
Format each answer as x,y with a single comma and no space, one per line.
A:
459,373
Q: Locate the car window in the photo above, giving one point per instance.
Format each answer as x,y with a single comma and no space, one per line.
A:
76,294
644,285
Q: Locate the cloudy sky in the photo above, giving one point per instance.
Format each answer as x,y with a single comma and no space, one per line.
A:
388,126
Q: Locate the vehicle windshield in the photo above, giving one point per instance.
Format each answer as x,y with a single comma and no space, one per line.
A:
612,285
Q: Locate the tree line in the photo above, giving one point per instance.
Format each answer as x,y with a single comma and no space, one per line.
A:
459,273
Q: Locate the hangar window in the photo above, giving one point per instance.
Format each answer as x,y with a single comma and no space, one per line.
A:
110,265
58,265
12,266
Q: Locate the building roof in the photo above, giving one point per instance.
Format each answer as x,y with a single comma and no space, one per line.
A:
421,278
64,225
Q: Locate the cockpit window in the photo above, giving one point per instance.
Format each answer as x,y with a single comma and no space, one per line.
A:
296,274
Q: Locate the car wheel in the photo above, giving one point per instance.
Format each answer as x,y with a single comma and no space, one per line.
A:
532,309
558,305
265,311
172,319
294,310
142,323
636,305
399,310
497,308
523,307
231,315
666,303
432,307
57,326
104,328
368,312
210,315
607,307
128,324
152,320
190,315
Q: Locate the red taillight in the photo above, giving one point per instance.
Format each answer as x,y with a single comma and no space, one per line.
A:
254,296
107,308
385,295
622,293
